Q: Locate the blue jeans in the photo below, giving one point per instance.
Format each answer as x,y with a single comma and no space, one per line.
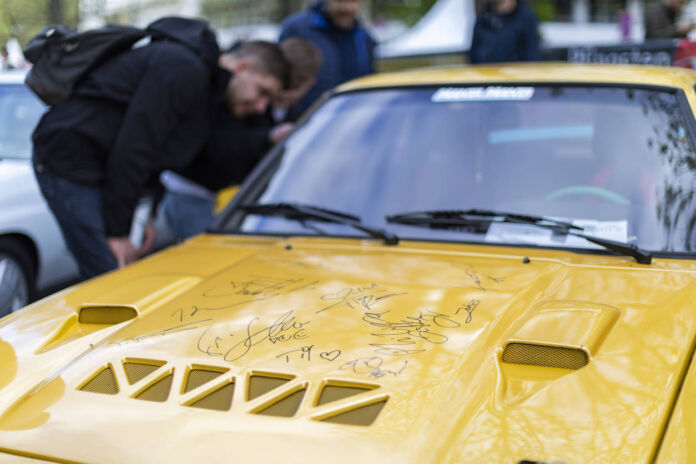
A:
80,215
186,215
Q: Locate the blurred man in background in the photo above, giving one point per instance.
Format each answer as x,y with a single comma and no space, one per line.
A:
234,148
505,30
346,47
145,110
661,20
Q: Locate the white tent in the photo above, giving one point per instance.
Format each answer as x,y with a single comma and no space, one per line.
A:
446,28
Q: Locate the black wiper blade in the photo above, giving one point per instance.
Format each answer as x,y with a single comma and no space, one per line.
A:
445,218
454,218
300,212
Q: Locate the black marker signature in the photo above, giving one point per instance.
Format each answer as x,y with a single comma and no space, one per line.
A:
476,279
365,297
306,353
372,367
284,329
160,333
257,288
469,308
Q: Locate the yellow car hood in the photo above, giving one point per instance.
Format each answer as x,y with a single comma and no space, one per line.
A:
336,350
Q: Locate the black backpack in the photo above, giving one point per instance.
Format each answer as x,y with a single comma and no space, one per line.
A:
61,56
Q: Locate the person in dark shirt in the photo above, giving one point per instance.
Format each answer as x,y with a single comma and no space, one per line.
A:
234,148
145,110
346,47
506,30
661,20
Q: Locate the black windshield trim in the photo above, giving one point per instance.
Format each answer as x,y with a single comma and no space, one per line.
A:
582,251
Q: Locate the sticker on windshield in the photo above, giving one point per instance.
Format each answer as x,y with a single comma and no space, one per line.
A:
503,232
492,93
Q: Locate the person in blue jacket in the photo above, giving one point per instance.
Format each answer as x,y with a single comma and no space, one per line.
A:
347,48
506,30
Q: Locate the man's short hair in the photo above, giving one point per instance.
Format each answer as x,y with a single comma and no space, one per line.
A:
304,59
266,58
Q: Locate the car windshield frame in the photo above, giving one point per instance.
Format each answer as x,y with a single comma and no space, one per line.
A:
230,220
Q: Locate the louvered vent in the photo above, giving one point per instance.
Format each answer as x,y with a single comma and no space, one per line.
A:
546,356
262,384
104,382
286,407
147,382
364,415
198,377
220,399
334,393
137,371
158,391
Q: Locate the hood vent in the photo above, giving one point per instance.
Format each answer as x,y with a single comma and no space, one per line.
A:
198,377
364,415
137,371
545,356
106,314
219,400
103,382
158,391
332,393
213,387
262,384
286,407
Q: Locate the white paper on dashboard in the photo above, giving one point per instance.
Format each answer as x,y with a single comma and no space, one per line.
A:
504,232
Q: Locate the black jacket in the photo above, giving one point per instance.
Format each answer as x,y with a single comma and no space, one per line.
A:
346,54
233,149
143,111
510,37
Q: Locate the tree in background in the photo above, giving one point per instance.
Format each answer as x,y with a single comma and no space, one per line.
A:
24,18
406,11
226,13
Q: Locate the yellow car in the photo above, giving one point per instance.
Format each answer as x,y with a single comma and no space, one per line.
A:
475,265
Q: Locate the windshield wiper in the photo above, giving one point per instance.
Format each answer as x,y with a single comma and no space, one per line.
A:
445,219
300,212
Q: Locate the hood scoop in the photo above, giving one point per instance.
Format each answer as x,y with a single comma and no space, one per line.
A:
106,314
560,334
214,387
558,338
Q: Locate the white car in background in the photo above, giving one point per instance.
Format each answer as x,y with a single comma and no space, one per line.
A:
33,256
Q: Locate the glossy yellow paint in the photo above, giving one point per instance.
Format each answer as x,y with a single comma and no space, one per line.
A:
679,443
420,326
224,196
532,73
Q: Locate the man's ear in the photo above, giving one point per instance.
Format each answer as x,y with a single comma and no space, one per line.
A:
229,62
241,65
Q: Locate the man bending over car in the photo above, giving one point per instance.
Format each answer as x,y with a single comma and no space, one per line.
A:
145,110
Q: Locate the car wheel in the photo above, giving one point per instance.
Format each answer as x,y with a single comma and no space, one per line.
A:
16,276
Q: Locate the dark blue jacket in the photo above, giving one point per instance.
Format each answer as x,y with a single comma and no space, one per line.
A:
500,38
346,54
143,111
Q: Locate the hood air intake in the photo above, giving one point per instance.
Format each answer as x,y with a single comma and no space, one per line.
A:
545,356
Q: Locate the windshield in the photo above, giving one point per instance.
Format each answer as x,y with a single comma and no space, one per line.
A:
617,161
20,111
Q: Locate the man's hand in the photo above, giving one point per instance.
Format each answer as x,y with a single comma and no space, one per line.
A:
280,131
123,250
684,27
148,239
